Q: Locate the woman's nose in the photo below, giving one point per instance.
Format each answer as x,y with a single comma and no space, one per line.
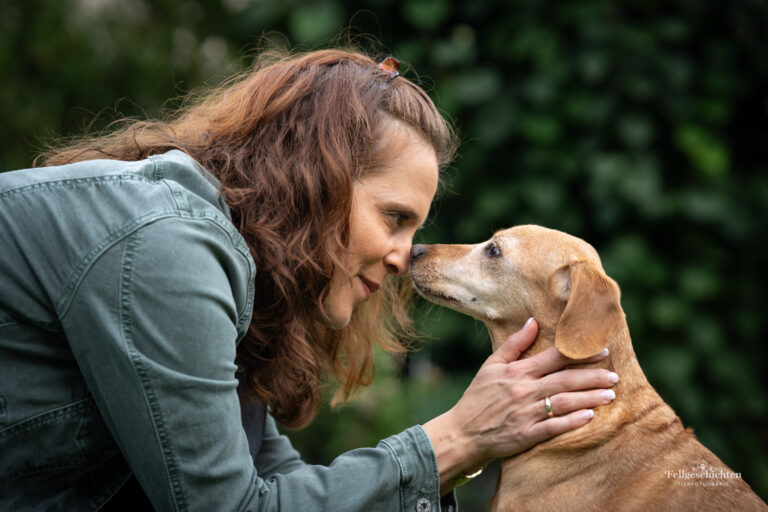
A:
397,259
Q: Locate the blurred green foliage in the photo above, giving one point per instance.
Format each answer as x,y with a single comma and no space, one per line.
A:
639,126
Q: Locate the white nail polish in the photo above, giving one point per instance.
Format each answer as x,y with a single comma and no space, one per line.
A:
604,353
588,414
527,322
608,394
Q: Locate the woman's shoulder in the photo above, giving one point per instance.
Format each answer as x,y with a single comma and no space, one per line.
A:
102,197
55,222
26,181
173,166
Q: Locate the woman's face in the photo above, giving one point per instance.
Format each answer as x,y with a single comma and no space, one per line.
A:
388,206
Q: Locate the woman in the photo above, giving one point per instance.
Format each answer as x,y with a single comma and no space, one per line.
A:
248,239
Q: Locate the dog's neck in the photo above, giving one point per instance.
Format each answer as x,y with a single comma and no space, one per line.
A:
597,436
621,359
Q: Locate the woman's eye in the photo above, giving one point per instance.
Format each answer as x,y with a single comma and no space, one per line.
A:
492,250
397,218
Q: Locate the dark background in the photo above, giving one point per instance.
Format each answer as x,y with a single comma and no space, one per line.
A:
639,126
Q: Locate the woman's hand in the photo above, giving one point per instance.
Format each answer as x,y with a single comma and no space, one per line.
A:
502,412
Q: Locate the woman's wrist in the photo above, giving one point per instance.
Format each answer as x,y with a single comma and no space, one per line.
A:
453,451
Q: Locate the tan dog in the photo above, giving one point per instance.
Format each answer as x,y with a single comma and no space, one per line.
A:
635,454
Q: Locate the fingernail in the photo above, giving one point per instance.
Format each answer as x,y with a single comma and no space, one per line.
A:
527,322
608,395
613,377
588,414
603,353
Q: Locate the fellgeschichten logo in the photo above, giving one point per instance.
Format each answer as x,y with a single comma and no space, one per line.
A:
701,474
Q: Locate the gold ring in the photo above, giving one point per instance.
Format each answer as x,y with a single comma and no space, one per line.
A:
548,405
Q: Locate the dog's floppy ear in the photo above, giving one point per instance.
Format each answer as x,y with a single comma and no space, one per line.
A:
592,314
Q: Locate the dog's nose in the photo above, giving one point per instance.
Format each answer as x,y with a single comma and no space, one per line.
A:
417,251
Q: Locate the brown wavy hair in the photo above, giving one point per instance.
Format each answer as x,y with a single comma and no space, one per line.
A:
287,139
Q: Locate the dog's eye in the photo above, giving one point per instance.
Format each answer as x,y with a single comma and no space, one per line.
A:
492,250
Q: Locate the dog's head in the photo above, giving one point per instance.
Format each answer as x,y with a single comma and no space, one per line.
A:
521,272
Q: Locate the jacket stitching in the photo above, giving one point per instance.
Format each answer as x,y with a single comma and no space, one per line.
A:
99,249
126,327
81,408
93,180
158,176
152,402
50,417
7,319
70,462
403,474
78,275
433,459
177,191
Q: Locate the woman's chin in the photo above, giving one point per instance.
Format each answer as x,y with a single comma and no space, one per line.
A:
337,321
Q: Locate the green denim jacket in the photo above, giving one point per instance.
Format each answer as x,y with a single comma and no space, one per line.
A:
124,290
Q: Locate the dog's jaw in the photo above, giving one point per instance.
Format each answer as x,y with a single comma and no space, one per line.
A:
457,300
436,296
501,330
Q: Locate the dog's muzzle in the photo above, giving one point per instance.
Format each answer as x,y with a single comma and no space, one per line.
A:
417,251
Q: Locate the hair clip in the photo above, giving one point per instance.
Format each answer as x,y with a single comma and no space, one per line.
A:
390,66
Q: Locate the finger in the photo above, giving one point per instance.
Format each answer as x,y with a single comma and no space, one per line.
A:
566,403
576,380
551,360
511,349
551,427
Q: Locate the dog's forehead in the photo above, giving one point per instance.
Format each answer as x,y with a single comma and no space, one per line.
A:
555,244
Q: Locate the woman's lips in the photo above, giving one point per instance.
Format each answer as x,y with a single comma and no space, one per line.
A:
369,286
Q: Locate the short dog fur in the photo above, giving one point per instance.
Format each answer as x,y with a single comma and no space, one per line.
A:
627,456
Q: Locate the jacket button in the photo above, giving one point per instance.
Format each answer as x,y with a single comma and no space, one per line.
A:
423,505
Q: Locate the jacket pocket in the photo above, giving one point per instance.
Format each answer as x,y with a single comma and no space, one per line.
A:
57,454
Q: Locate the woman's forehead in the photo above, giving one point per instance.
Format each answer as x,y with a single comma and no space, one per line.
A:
392,138
409,179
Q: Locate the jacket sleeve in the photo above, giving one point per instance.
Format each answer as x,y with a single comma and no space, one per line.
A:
153,325
276,455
